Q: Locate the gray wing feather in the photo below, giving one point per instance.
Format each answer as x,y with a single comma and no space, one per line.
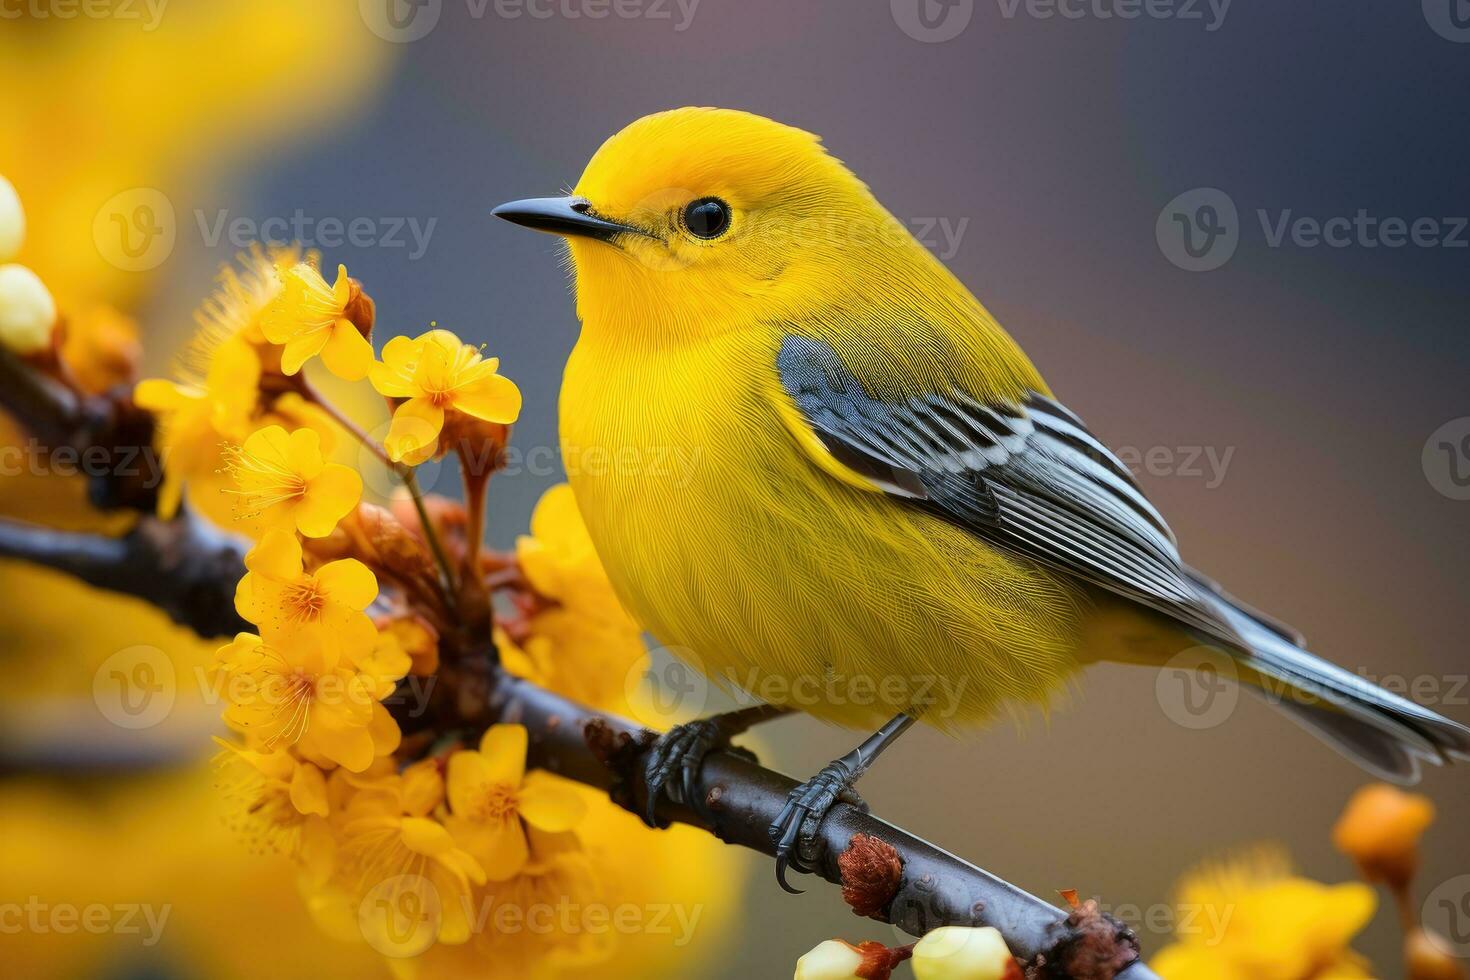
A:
1026,477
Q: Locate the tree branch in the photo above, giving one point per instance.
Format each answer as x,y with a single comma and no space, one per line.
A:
189,570
185,567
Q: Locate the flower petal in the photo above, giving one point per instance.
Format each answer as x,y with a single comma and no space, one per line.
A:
331,496
549,805
493,398
503,747
347,353
277,556
349,582
302,348
309,790
416,427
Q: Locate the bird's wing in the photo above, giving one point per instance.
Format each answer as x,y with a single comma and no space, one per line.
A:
1025,476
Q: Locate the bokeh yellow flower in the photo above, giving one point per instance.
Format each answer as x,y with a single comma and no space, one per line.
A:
194,417
1380,830
217,399
309,318
1255,920
296,694
493,799
272,795
584,643
400,862
435,376
282,481
324,609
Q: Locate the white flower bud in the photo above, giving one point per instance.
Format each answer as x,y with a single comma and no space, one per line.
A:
961,953
832,960
12,221
27,311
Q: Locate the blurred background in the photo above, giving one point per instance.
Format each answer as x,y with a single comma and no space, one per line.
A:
1133,194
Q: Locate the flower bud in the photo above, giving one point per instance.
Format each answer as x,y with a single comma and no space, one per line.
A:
12,221
1380,829
832,960
963,953
27,311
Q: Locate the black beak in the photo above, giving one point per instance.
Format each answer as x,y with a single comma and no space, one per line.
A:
563,216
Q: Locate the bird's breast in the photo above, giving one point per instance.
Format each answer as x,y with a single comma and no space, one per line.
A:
725,541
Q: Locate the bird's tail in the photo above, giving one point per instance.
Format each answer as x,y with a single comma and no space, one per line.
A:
1380,731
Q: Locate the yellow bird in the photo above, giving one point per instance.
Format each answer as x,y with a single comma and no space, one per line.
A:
881,512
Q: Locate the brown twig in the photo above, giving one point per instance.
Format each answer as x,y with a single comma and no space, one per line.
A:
189,570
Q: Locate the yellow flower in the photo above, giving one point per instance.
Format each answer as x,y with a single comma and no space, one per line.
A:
491,794
194,417
960,953
1380,830
310,317
281,479
272,795
324,608
27,311
585,645
297,694
436,375
1256,921
12,221
402,865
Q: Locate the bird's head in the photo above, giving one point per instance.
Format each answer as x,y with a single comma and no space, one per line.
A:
692,221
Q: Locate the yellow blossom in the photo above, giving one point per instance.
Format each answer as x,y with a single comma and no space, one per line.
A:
324,608
435,375
309,318
12,221
1257,921
194,417
299,695
1380,830
272,795
398,864
281,479
27,311
492,798
584,645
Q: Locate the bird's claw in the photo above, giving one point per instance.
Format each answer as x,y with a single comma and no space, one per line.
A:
680,750
795,830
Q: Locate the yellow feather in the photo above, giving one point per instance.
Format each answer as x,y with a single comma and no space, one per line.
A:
773,566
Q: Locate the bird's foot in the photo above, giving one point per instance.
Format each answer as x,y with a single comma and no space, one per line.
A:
680,752
795,831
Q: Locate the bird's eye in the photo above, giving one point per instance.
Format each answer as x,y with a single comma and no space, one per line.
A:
707,217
